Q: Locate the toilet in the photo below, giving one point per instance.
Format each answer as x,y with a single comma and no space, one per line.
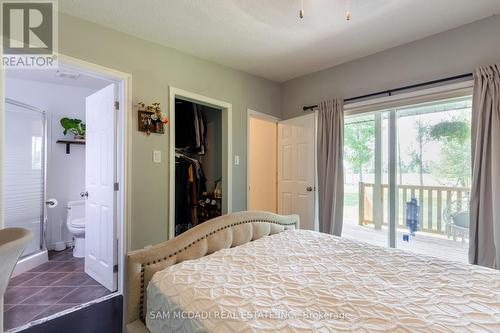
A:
75,222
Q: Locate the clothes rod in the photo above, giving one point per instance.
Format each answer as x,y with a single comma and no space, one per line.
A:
390,92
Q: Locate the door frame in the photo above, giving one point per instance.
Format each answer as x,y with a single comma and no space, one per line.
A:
264,116
123,173
227,149
123,200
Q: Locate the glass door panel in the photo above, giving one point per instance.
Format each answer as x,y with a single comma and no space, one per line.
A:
365,187
24,172
433,176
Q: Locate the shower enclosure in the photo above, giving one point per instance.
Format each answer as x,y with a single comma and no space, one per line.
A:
24,172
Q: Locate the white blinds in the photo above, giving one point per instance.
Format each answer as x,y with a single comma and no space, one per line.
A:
24,171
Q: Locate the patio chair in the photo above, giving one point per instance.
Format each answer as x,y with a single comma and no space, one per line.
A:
456,218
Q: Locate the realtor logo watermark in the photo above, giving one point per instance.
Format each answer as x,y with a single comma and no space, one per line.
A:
29,31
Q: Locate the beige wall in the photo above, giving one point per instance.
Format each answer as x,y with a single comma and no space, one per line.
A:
262,160
153,69
454,52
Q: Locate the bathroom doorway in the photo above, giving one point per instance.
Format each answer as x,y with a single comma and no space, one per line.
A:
64,179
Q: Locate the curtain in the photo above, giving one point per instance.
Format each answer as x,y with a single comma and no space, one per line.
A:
330,166
484,241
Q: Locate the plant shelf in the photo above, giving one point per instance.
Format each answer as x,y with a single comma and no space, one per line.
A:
68,144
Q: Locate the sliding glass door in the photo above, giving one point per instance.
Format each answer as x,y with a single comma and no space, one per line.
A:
421,155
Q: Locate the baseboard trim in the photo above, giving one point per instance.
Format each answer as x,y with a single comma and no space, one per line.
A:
30,262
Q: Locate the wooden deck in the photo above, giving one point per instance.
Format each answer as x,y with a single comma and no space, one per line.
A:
423,243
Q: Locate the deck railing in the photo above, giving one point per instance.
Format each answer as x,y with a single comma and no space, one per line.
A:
432,200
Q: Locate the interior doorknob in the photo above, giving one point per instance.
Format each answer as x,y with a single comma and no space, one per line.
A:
309,189
51,203
84,194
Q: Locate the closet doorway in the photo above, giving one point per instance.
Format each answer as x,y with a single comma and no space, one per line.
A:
200,153
262,160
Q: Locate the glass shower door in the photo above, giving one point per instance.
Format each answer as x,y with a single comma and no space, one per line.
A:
24,171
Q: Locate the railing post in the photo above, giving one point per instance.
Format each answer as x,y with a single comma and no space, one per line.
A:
429,209
361,203
421,202
439,210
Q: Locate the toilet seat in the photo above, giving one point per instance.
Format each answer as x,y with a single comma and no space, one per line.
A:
78,223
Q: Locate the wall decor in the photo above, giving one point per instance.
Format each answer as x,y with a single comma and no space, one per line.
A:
151,119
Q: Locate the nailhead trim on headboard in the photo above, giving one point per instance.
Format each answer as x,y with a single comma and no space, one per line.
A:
141,306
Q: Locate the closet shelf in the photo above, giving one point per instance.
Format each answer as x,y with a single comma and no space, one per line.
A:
68,144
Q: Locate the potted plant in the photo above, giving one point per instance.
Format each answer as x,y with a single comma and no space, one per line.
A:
75,126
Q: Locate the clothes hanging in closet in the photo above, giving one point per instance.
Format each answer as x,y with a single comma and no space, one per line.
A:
190,185
191,130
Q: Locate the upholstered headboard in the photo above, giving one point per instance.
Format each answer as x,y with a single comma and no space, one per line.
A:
222,232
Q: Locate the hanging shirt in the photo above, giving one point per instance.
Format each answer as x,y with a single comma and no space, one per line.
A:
190,133
183,214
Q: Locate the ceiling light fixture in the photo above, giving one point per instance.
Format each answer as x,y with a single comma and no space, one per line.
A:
67,75
348,13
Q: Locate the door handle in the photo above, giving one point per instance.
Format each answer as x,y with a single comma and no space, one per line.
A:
309,189
84,194
51,203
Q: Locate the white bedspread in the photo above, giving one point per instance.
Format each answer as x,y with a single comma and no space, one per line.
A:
303,281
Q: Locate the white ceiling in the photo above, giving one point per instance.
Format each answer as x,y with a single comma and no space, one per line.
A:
50,76
266,37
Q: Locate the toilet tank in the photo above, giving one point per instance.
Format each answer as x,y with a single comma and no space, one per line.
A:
76,209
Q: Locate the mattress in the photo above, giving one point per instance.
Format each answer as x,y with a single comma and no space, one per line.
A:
304,281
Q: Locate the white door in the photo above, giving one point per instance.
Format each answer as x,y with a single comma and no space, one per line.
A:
100,159
296,169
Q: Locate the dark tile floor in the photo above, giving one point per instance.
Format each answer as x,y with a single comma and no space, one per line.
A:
57,285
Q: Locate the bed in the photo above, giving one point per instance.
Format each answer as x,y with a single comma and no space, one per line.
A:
257,272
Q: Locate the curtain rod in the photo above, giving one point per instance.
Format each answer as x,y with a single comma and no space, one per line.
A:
392,91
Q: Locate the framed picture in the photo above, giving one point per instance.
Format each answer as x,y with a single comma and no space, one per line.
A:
146,124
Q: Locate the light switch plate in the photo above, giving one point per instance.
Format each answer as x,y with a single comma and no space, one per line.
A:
236,159
156,156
